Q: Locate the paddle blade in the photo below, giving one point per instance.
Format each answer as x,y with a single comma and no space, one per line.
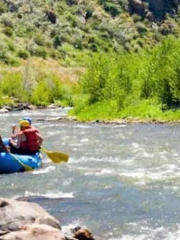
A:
56,157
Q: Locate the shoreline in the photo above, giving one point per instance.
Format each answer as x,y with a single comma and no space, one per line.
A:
25,106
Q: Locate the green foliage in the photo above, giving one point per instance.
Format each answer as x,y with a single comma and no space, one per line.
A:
166,71
93,82
143,85
3,52
39,39
34,87
132,65
47,90
111,8
8,31
3,7
109,77
12,85
6,56
42,29
23,54
101,110
4,100
67,96
41,96
7,21
57,41
89,13
40,52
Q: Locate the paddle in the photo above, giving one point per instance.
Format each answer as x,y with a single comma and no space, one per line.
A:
56,157
4,147
26,167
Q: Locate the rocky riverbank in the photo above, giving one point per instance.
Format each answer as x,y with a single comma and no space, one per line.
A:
128,120
23,106
20,220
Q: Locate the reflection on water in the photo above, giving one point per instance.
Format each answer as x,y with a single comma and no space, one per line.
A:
122,181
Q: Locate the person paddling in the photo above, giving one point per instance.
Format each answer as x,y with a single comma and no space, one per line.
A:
27,140
14,129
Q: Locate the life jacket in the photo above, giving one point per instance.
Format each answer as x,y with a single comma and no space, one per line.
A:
31,143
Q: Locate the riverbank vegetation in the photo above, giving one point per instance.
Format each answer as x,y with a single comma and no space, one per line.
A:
144,85
37,82
107,59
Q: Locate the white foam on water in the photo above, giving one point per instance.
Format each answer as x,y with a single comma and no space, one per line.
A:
99,172
129,162
135,145
44,170
147,155
84,140
83,126
173,235
134,237
146,233
146,176
51,195
138,176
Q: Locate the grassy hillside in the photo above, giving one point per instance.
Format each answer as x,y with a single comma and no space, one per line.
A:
70,31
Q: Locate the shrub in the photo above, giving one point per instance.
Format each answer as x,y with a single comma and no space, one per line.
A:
7,21
40,52
89,13
47,91
78,44
12,85
3,7
40,95
57,41
11,47
39,39
23,54
111,8
8,31
93,47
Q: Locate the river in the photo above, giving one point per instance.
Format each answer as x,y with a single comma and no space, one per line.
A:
121,181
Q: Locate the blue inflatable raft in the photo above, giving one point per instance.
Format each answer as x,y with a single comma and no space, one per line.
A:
12,163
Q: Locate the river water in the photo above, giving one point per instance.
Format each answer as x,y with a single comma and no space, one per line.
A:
121,181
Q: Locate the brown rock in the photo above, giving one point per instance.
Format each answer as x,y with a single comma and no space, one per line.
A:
82,234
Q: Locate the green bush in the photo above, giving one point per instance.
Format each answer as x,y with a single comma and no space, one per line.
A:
40,52
134,81
48,90
7,21
39,39
111,8
12,85
41,95
3,7
23,54
57,41
8,31
11,46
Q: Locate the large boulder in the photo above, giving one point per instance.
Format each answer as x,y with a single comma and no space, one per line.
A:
23,220
35,232
20,220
